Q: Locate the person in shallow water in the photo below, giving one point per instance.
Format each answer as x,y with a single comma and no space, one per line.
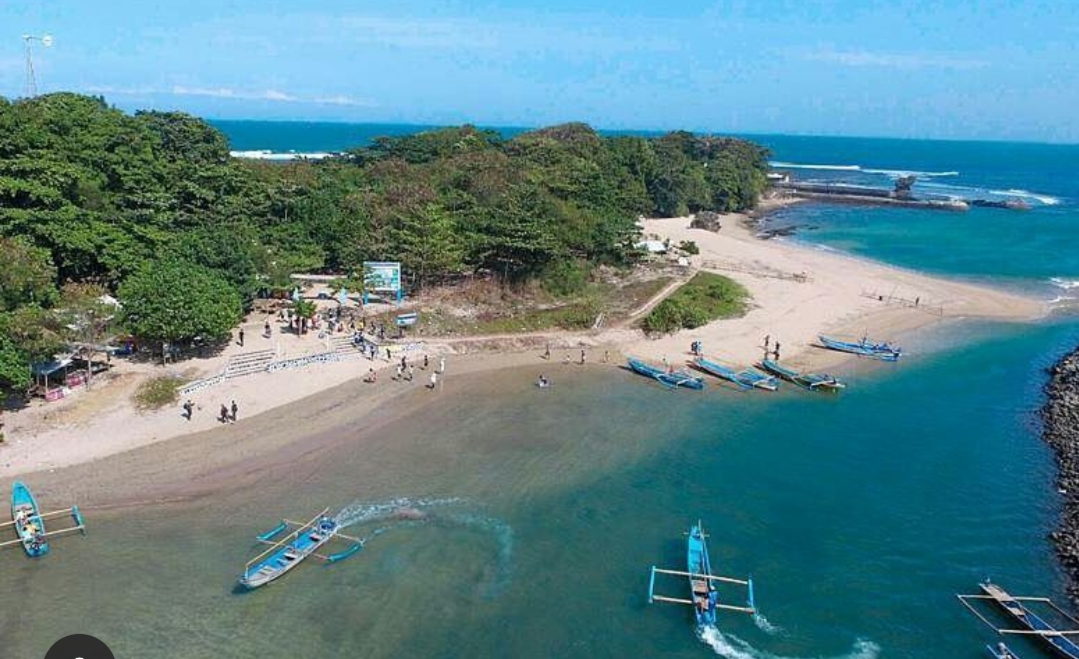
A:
542,381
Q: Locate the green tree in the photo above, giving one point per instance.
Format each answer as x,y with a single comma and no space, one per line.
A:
174,301
427,243
27,276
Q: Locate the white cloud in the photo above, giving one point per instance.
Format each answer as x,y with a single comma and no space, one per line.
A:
861,58
274,95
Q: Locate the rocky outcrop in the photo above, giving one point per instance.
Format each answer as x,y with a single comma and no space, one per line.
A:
1060,417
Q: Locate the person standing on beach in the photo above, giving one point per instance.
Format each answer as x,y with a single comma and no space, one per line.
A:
234,409
241,337
582,356
441,365
434,381
411,372
399,372
776,353
266,330
224,418
606,356
404,363
389,356
425,362
547,353
189,408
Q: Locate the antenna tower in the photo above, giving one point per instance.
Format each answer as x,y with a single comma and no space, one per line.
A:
31,79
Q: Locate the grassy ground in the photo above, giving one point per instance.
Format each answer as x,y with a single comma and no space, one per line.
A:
704,298
158,392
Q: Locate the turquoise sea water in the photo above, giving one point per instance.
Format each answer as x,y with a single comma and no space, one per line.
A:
859,516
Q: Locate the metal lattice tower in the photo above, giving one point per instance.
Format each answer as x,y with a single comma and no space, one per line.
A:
31,79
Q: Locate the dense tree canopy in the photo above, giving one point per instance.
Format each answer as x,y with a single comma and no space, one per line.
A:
91,194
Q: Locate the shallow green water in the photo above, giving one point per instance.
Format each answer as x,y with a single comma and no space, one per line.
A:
859,516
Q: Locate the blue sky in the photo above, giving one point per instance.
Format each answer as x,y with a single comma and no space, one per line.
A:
903,68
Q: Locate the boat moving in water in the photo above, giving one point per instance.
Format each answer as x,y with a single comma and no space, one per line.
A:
1032,624
863,348
704,598
811,381
671,379
29,522
744,380
291,549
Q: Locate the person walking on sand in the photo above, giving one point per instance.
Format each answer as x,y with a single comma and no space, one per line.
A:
404,363
425,362
241,337
582,356
266,330
234,409
441,365
606,356
776,353
224,418
189,408
399,372
547,353
411,372
434,381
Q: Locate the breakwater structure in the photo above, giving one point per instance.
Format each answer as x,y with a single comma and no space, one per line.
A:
1060,429
900,195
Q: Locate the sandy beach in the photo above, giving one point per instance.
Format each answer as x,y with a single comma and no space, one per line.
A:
798,292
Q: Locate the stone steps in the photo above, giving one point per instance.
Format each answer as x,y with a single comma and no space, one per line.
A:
247,363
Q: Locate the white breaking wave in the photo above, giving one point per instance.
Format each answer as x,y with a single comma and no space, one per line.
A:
893,173
732,647
1048,200
266,154
1066,284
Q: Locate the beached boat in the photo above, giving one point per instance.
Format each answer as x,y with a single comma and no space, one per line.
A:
288,551
704,598
1001,651
29,522
672,379
1032,624
863,348
745,379
811,381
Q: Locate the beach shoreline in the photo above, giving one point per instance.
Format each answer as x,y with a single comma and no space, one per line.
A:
798,292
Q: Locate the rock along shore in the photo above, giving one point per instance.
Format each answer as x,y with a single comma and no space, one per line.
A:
1060,417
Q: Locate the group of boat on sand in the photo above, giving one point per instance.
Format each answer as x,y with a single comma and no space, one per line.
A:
770,370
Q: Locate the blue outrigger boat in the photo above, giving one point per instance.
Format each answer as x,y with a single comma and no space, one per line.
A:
704,598
670,379
811,381
1032,624
29,522
744,380
863,348
290,550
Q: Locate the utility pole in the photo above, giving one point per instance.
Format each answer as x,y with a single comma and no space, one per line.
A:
31,80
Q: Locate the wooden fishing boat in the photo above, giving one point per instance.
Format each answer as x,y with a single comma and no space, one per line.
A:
29,522
1001,651
745,379
290,550
671,379
703,596
863,348
811,381
1031,624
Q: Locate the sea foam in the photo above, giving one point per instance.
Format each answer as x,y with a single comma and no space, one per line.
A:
732,647
266,154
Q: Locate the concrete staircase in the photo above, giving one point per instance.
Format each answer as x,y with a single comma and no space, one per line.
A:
343,346
248,362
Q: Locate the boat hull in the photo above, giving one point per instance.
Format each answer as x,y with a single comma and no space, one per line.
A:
743,379
701,590
1061,645
863,348
28,523
671,379
811,381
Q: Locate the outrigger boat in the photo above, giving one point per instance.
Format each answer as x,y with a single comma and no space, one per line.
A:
811,381
29,522
704,597
670,379
744,380
863,348
289,551
1032,624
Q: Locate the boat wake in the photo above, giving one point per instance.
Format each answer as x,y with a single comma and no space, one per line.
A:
732,647
406,511
766,625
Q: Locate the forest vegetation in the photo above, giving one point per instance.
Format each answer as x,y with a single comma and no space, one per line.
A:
151,208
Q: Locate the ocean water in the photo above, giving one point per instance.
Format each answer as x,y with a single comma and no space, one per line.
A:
859,516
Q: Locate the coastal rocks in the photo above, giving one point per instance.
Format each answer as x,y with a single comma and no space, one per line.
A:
1060,418
707,220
